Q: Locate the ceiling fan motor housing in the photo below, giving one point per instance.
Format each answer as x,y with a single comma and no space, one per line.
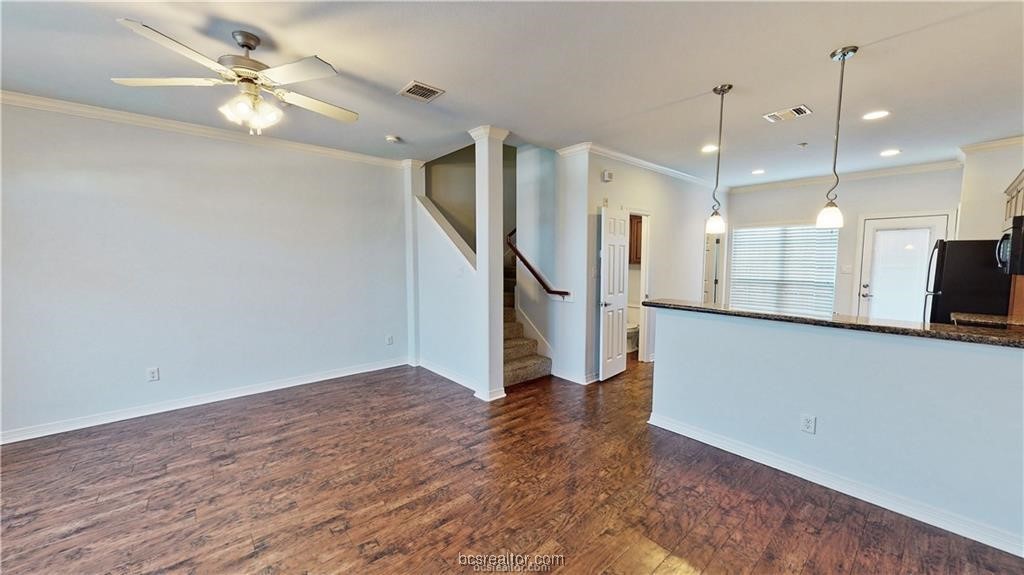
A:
244,66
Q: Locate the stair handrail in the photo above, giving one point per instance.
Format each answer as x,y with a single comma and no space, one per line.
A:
536,274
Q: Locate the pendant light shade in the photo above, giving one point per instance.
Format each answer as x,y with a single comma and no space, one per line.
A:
716,223
830,216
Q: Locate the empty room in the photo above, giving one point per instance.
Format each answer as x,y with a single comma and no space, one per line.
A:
512,287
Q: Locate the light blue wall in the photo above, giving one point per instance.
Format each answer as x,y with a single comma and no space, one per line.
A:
932,429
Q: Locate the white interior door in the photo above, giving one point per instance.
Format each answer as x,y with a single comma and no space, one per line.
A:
894,265
614,282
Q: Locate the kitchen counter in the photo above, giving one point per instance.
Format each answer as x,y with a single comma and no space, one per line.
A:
902,415
985,320
1004,333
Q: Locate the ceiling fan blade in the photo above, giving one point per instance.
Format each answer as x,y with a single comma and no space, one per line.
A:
157,82
172,44
314,105
311,68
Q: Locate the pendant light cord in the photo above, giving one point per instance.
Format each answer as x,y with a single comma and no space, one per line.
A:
718,152
831,194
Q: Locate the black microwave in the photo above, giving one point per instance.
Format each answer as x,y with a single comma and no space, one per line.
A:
1010,248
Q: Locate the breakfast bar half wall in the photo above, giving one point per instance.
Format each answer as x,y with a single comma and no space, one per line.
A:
925,421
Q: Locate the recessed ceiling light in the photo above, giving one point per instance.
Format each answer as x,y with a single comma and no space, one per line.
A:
876,115
709,148
757,172
393,139
889,152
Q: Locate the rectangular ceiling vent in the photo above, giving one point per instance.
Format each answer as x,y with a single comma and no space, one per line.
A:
788,114
420,91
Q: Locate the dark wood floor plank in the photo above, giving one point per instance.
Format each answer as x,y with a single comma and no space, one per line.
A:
401,471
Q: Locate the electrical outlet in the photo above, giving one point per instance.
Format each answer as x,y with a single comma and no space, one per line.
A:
809,424
153,374
389,340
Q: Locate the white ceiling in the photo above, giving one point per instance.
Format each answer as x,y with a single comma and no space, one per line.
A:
631,77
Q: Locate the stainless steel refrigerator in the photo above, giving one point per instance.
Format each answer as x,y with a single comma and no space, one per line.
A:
965,277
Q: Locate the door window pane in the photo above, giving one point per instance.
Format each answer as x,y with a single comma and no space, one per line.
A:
899,269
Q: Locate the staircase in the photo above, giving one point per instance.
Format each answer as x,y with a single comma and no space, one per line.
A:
522,362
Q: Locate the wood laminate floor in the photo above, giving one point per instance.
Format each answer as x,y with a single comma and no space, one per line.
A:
400,471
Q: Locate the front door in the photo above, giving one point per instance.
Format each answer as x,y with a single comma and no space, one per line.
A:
894,265
614,276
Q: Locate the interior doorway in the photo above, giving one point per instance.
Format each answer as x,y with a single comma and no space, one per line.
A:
894,265
714,270
638,318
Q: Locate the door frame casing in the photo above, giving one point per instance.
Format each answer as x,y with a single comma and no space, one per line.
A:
645,347
858,265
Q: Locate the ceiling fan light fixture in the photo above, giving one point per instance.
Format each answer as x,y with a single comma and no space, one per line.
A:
252,111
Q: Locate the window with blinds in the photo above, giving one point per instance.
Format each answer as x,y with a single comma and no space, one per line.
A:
787,270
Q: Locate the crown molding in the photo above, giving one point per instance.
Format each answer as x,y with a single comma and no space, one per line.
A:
412,163
994,144
853,176
574,149
109,115
632,160
488,132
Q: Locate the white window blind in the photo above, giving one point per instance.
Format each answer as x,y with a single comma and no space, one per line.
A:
787,270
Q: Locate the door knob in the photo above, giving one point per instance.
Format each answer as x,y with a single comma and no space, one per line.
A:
605,304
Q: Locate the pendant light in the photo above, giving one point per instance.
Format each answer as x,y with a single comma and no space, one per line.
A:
715,223
830,216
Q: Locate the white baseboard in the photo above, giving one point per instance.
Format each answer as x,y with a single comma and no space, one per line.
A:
33,431
567,376
448,374
984,533
489,395
492,394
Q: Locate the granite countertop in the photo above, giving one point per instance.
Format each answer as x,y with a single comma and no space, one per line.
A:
1004,334
984,319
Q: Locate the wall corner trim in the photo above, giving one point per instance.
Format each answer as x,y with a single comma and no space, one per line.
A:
446,228
987,534
609,153
121,117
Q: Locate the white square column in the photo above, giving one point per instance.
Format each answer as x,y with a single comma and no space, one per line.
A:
489,249
413,185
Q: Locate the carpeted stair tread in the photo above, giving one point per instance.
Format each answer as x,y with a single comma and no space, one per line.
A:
517,347
513,329
526,368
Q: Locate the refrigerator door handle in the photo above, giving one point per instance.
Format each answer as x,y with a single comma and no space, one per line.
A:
924,311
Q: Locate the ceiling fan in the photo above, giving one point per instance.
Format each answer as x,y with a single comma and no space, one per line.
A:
251,76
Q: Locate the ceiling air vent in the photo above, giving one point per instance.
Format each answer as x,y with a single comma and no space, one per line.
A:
420,91
788,114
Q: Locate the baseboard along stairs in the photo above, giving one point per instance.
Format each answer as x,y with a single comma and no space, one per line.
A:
522,362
